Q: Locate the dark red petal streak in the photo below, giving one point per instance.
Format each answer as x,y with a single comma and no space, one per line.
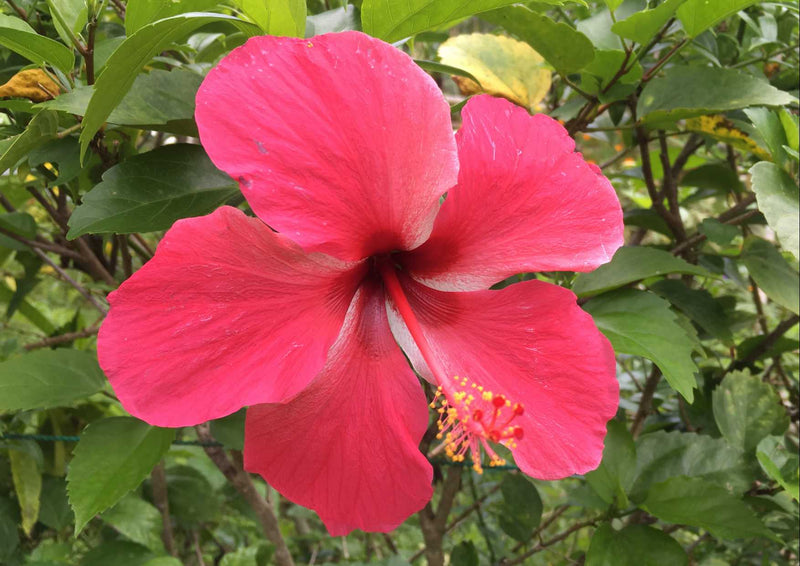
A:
531,343
347,446
228,313
340,141
524,202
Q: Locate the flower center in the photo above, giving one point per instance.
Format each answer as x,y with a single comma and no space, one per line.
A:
469,416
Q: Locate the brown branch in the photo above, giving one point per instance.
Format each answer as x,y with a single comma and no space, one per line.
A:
42,245
20,11
549,542
62,338
673,221
698,238
158,480
763,346
469,510
660,63
433,524
88,55
65,276
557,512
125,252
242,482
119,8
646,401
95,267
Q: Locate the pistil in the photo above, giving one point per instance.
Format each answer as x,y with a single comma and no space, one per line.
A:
469,416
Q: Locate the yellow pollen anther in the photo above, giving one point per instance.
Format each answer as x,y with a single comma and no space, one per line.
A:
469,423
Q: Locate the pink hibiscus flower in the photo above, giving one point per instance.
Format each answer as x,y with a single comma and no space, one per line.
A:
344,146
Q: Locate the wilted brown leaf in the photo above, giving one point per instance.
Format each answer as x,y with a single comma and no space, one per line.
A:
33,84
504,66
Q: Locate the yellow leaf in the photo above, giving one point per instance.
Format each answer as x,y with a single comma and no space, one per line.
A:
504,66
722,129
33,84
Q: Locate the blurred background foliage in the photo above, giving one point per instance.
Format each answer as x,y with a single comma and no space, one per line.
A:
688,106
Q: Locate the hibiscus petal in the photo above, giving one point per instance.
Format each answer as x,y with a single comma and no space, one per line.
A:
347,446
531,343
226,314
524,202
340,141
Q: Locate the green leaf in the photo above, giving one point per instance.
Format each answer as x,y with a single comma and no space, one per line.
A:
691,90
642,26
113,456
635,545
642,324
166,561
143,12
521,510
246,556
21,223
159,100
191,497
779,463
717,232
661,455
138,521
746,410
465,554
565,48
9,537
27,477
40,129
615,475
69,17
152,190
790,128
48,378
779,200
118,553
27,310
606,64
230,430
717,177
21,38
136,51
699,15
769,127
696,502
276,17
632,264
772,273
503,66
54,510
699,305
391,20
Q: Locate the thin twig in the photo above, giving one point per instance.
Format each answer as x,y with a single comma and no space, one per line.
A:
20,11
45,246
62,338
549,542
158,480
646,401
242,482
763,346
433,524
77,286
